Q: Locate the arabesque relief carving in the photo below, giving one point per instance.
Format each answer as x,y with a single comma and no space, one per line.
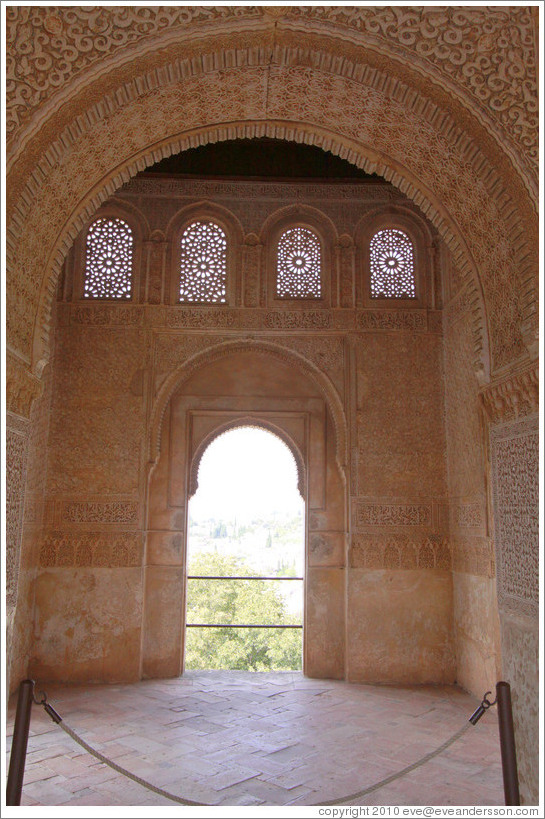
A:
515,485
96,549
500,80
16,457
484,221
392,514
100,512
400,552
513,397
473,555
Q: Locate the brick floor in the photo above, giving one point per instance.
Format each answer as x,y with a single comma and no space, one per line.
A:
234,738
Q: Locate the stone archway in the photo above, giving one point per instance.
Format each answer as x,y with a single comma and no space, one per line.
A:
360,109
247,384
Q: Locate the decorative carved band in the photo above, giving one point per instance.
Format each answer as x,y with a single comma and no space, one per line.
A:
22,387
473,555
16,459
399,552
98,512
392,514
202,317
515,396
298,319
514,449
176,317
468,515
108,314
392,320
93,549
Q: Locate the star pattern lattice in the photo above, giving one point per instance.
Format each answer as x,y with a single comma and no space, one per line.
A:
299,265
203,264
108,261
392,265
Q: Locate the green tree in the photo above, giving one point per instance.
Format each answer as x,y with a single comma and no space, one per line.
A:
238,601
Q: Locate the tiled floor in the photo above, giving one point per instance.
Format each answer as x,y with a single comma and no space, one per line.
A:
234,738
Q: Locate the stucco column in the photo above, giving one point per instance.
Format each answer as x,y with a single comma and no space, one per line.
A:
21,390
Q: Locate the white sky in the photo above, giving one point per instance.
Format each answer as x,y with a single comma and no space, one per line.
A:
243,473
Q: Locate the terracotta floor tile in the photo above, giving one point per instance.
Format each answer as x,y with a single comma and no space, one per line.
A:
238,738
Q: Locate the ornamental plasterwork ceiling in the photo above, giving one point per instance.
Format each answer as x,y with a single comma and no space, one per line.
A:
484,55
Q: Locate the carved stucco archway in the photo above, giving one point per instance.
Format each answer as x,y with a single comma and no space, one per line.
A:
232,385
357,110
176,379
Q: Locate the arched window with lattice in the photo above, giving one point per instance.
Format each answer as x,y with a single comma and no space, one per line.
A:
392,265
108,260
299,265
203,264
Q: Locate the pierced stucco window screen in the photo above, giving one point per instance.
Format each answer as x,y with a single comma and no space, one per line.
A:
108,260
299,265
392,265
203,264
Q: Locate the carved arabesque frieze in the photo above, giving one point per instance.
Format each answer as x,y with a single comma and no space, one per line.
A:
16,462
493,70
514,449
67,549
354,132
513,397
476,215
430,515
183,317
414,320
393,551
473,555
467,515
112,315
91,511
490,52
22,387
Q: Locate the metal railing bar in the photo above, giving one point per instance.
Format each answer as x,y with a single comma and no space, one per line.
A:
234,625
237,577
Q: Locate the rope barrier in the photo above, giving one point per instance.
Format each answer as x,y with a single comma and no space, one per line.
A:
182,801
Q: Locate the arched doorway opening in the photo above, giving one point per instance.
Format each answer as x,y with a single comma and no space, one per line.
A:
231,385
245,556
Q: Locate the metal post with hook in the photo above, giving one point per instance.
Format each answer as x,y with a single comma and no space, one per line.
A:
507,744
19,744
507,739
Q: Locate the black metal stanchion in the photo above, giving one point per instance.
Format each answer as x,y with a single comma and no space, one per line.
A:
19,745
507,744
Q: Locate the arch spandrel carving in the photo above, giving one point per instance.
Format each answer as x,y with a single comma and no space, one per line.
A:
406,146
428,43
176,380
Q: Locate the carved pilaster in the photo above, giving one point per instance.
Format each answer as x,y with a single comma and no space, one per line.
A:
155,250
251,260
16,457
345,252
514,397
22,387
